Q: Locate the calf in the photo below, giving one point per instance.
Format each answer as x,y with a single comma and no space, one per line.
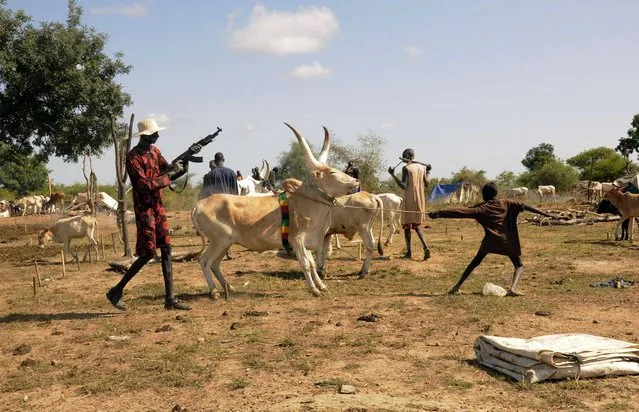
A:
353,214
628,206
67,228
518,193
33,202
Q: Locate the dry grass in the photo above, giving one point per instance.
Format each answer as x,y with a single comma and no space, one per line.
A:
417,356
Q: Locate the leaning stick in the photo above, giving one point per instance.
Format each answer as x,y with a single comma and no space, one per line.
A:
38,274
402,159
35,293
64,269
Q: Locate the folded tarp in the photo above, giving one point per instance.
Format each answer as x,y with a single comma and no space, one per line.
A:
569,355
443,192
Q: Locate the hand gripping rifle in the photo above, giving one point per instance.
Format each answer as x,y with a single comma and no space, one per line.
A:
189,155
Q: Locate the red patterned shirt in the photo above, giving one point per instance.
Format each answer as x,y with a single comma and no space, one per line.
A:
145,167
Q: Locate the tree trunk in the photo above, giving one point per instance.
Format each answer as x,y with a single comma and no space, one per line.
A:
122,147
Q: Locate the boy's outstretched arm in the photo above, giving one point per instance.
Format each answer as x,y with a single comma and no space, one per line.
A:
460,213
535,210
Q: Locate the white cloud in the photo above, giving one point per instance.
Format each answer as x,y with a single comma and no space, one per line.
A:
307,30
129,10
387,125
162,119
413,52
308,71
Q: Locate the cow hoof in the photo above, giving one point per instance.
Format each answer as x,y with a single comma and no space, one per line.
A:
316,292
231,288
387,244
361,275
214,295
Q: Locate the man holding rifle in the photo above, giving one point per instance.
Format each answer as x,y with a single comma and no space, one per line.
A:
414,182
150,173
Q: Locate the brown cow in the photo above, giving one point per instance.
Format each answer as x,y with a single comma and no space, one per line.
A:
628,206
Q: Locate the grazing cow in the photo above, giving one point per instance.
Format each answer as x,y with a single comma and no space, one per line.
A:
548,191
517,193
353,214
257,222
67,228
392,203
595,191
606,207
628,206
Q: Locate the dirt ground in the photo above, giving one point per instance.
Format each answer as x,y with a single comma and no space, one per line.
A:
273,346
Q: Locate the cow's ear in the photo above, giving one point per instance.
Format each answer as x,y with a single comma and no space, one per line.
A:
291,185
318,174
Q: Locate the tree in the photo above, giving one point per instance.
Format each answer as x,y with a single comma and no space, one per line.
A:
630,144
538,156
293,165
506,179
477,177
599,164
19,173
58,89
554,172
122,144
368,157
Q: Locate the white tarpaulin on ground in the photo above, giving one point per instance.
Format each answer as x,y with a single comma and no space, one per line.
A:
569,355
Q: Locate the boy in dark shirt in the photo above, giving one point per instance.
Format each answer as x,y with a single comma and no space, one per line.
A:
499,220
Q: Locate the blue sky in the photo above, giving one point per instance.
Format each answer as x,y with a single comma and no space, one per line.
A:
465,83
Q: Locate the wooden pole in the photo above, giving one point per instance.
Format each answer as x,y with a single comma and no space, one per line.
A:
38,274
89,250
35,293
64,269
227,294
462,238
25,228
446,230
77,258
113,241
359,251
102,243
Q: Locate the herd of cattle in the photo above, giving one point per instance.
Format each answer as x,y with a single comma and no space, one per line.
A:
316,210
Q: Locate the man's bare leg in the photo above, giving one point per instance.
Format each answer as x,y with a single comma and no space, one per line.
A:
420,235
408,254
519,270
471,266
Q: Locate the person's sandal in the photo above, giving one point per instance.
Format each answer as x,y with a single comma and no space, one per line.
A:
116,299
175,304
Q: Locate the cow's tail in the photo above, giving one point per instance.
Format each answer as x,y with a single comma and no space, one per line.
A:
198,231
380,205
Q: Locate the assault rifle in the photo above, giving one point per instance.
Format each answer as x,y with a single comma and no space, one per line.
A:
188,155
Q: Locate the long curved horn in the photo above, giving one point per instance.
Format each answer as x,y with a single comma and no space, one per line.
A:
265,170
325,147
308,155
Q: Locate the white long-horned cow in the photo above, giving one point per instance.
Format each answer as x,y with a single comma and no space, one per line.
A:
67,228
256,222
548,191
249,186
33,202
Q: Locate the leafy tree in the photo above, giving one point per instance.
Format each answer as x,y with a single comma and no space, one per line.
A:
600,164
58,89
538,156
465,174
368,157
506,179
292,164
19,173
554,172
630,144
